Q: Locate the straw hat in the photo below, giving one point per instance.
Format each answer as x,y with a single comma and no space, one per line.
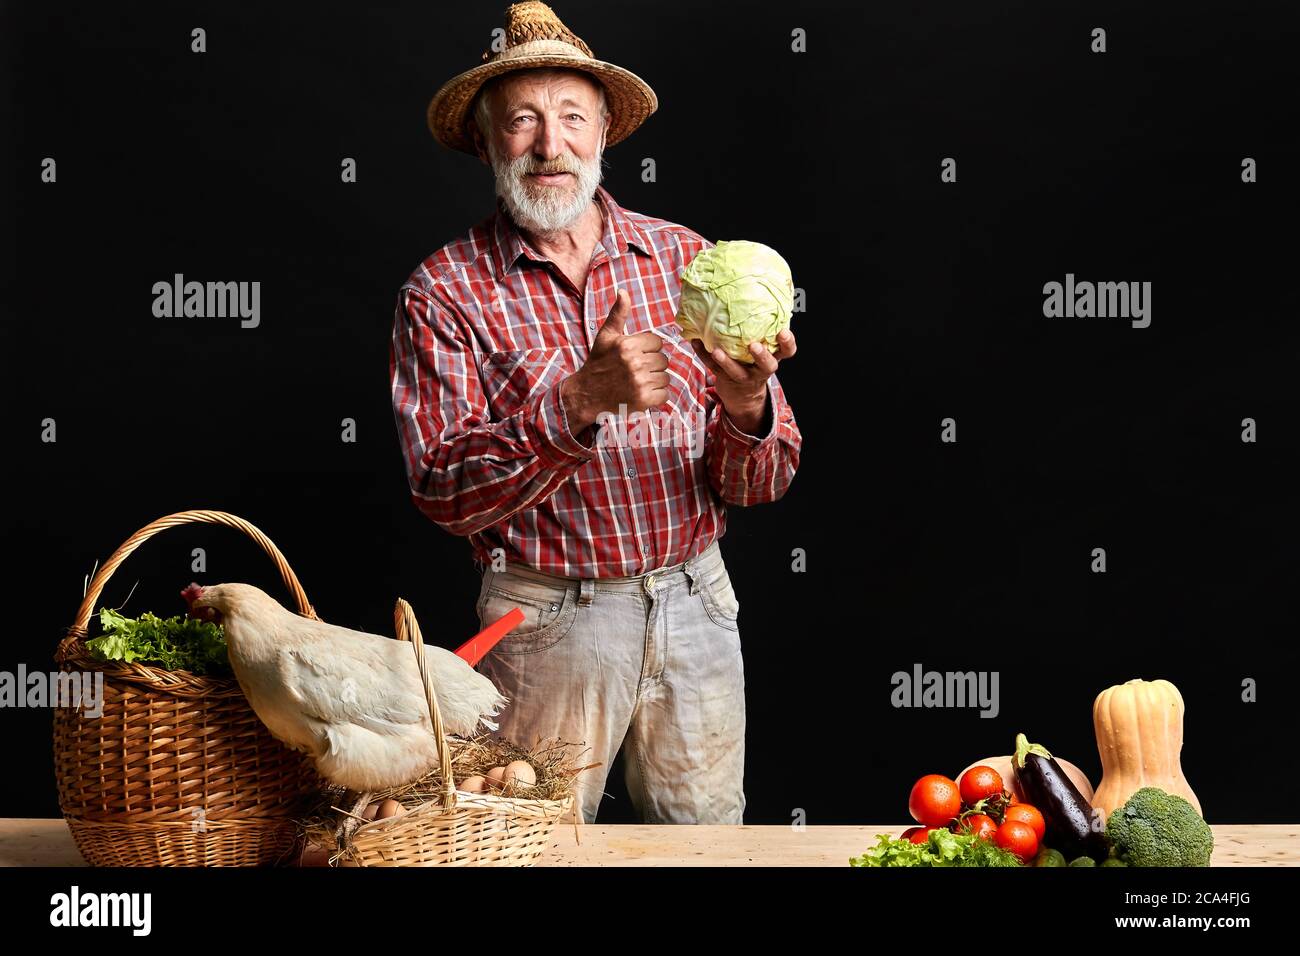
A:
535,37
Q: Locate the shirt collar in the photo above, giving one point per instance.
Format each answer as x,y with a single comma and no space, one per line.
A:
620,235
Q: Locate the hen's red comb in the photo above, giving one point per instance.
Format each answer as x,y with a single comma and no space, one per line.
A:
477,647
192,593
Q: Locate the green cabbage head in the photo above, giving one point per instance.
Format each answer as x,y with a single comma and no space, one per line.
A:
733,294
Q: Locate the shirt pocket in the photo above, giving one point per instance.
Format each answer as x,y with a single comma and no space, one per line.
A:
511,378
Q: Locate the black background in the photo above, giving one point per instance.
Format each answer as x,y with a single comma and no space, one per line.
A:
924,300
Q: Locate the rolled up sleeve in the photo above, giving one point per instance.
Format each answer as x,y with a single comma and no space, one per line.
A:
749,469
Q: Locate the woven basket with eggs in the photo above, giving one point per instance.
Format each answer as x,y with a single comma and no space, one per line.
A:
488,803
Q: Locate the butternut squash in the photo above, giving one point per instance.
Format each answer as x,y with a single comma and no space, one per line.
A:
1139,727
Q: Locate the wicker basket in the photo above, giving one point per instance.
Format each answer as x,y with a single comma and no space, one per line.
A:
457,829
178,770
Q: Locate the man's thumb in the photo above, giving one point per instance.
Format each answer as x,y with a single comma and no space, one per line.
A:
617,318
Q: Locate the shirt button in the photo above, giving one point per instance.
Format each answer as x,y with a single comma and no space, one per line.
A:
631,472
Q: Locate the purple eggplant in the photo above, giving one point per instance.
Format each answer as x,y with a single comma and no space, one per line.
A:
1071,827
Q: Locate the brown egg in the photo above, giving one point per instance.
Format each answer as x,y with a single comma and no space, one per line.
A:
370,811
314,855
520,775
390,808
496,778
475,784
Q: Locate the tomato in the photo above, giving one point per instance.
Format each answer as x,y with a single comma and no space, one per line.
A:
980,824
1019,838
910,832
978,783
919,834
934,801
1027,814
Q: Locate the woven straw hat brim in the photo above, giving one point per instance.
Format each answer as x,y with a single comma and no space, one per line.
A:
629,98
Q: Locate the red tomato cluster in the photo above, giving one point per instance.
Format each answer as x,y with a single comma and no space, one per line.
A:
978,804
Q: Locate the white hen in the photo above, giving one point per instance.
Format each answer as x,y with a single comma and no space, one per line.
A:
353,701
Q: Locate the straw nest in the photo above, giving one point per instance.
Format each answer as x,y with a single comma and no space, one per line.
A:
555,762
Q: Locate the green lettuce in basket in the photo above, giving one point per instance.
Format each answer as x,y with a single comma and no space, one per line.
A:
175,644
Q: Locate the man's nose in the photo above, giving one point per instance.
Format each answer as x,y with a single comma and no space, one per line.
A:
550,140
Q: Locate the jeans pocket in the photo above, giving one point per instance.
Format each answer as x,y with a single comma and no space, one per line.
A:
549,612
720,601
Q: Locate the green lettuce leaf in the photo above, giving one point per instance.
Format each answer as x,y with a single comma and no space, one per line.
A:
943,848
176,643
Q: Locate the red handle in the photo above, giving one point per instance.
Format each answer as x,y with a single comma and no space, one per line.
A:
477,647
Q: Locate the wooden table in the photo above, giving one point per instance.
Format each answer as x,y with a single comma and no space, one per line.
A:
29,842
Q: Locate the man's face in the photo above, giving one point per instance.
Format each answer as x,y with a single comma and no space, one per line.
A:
547,140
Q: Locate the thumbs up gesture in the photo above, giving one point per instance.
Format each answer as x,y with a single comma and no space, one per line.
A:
622,369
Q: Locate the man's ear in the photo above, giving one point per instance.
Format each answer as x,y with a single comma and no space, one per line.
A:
480,147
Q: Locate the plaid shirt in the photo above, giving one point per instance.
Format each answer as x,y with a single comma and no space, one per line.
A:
486,329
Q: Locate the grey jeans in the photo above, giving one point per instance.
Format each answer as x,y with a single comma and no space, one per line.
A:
650,664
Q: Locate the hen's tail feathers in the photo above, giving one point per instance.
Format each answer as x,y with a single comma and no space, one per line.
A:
500,702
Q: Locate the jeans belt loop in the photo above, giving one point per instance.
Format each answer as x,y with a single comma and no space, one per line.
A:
586,592
692,575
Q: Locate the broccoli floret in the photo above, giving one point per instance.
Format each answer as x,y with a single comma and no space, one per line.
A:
1155,828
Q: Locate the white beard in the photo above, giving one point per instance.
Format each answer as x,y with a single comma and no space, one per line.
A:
545,209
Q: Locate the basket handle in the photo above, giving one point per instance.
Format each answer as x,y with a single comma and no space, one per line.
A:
78,629
408,629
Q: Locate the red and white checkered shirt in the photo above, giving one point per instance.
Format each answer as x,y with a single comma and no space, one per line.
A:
487,328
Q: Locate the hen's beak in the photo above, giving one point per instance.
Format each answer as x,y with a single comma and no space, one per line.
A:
193,596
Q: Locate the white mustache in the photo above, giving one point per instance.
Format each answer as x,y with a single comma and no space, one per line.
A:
552,209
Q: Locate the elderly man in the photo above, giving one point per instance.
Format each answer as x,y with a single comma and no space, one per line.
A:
511,345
